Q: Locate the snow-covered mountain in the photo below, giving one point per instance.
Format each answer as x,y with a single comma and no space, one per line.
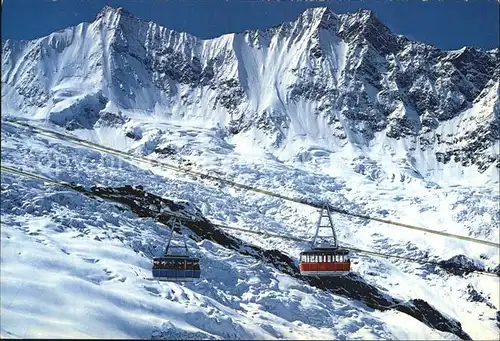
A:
328,107
322,80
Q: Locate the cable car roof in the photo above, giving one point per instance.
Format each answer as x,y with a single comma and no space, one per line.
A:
328,251
175,257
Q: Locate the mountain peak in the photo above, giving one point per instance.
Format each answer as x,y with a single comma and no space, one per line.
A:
315,11
105,10
366,14
370,21
364,24
322,16
111,12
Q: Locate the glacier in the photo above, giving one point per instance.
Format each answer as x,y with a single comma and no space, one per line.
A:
329,107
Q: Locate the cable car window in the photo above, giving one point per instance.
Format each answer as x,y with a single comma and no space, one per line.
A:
329,258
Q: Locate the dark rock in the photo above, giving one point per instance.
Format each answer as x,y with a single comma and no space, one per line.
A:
168,150
424,312
475,296
460,265
496,270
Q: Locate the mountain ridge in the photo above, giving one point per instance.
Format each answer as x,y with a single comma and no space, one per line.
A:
333,79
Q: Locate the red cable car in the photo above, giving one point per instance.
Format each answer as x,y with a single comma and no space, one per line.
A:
325,261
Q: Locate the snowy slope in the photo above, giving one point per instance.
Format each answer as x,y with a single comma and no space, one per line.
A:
64,233
68,221
336,81
328,107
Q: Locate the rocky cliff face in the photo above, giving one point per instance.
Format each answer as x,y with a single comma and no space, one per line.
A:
335,79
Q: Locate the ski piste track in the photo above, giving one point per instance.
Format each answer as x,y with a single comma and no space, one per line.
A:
262,233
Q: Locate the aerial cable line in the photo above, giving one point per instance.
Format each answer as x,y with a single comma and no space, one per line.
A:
308,202
356,250
263,233
31,175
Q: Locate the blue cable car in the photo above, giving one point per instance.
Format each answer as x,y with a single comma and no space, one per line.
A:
176,267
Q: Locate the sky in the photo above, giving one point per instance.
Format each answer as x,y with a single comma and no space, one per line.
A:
448,25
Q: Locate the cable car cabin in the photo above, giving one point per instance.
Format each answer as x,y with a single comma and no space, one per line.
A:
325,262
176,268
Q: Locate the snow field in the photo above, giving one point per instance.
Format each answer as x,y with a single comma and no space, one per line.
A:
243,209
65,272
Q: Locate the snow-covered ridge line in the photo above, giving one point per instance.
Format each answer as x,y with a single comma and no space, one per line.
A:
342,82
